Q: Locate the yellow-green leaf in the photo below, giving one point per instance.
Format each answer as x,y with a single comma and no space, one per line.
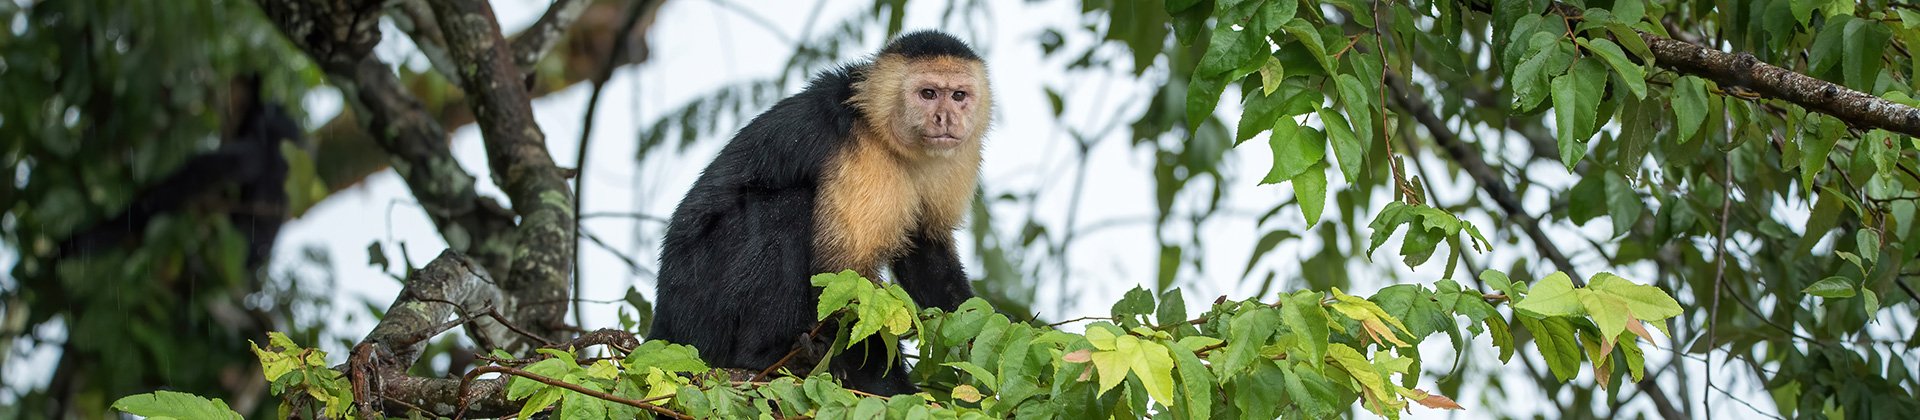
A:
1551,296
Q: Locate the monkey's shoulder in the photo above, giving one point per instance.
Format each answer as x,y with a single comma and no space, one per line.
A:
790,142
819,110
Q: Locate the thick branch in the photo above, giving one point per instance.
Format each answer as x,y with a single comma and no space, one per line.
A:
534,42
517,153
450,283
347,154
1490,182
337,33
413,141
1854,107
417,20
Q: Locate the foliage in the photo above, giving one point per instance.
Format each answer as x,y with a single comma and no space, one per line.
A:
292,369
169,405
1718,192
1305,355
104,99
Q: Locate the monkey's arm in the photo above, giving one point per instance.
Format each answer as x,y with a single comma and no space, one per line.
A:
931,271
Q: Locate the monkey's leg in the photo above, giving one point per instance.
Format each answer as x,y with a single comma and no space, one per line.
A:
864,367
931,272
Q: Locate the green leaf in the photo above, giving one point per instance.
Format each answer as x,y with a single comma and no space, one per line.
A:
1828,47
980,374
1246,334
1872,302
1347,149
869,408
1314,393
546,397
1498,281
1310,188
668,357
1273,14
1203,95
1502,337
1609,313
1196,382
1831,287
1259,394
1296,149
1816,139
1303,315
1629,11
1136,302
1908,19
1825,215
1576,103
1173,309
1552,296
1864,41
839,289
1689,107
1360,106
1623,203
1271,74
1632,74
1802,11
1555,339
1055,102
1310,37
1530,78
163,405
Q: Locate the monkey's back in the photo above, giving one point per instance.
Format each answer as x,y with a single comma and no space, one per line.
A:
738,252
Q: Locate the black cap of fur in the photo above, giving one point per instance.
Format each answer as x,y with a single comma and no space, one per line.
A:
929,43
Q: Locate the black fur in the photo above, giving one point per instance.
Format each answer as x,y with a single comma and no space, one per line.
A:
921,44
738,254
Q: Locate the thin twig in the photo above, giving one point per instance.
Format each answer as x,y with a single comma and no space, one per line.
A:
790,354
633,266
620,39
1719,278
570,387
1084,318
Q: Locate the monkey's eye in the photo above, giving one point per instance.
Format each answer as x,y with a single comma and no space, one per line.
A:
959,95
926,94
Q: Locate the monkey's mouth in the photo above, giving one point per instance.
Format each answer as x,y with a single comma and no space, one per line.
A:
942,141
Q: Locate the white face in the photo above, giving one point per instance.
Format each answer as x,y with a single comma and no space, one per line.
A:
945,106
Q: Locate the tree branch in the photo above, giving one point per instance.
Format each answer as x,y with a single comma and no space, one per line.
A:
1854,107
412,139
346,154
534,42
517,153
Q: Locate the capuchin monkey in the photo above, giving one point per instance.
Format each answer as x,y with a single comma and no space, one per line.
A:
872,166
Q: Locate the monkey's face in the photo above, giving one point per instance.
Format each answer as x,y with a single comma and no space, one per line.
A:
945,106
